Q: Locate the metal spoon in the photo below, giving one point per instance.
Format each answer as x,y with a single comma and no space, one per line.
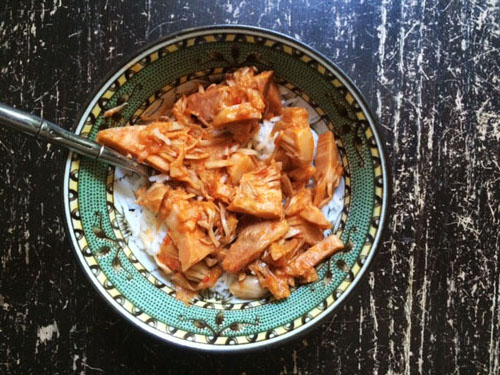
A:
51,133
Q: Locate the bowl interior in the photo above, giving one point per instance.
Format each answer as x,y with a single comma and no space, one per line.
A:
99,223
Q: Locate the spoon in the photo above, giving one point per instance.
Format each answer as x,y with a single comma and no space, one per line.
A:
49,132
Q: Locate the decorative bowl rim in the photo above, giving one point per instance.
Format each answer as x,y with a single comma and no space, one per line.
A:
135,56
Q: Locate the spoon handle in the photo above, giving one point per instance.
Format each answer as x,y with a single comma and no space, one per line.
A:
49,132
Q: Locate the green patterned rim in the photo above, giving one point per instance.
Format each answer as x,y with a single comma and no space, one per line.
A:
98,230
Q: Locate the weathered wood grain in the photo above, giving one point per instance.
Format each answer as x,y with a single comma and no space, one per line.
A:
430,70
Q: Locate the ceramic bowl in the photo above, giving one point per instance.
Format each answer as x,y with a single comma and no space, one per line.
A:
99,223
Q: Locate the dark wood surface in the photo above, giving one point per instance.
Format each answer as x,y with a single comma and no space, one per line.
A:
429,69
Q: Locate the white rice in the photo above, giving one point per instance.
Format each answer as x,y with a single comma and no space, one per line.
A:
159,178
263,141
147,232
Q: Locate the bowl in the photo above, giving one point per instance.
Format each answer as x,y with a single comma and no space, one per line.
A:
99,224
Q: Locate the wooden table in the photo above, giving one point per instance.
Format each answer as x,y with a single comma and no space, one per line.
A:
430,71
